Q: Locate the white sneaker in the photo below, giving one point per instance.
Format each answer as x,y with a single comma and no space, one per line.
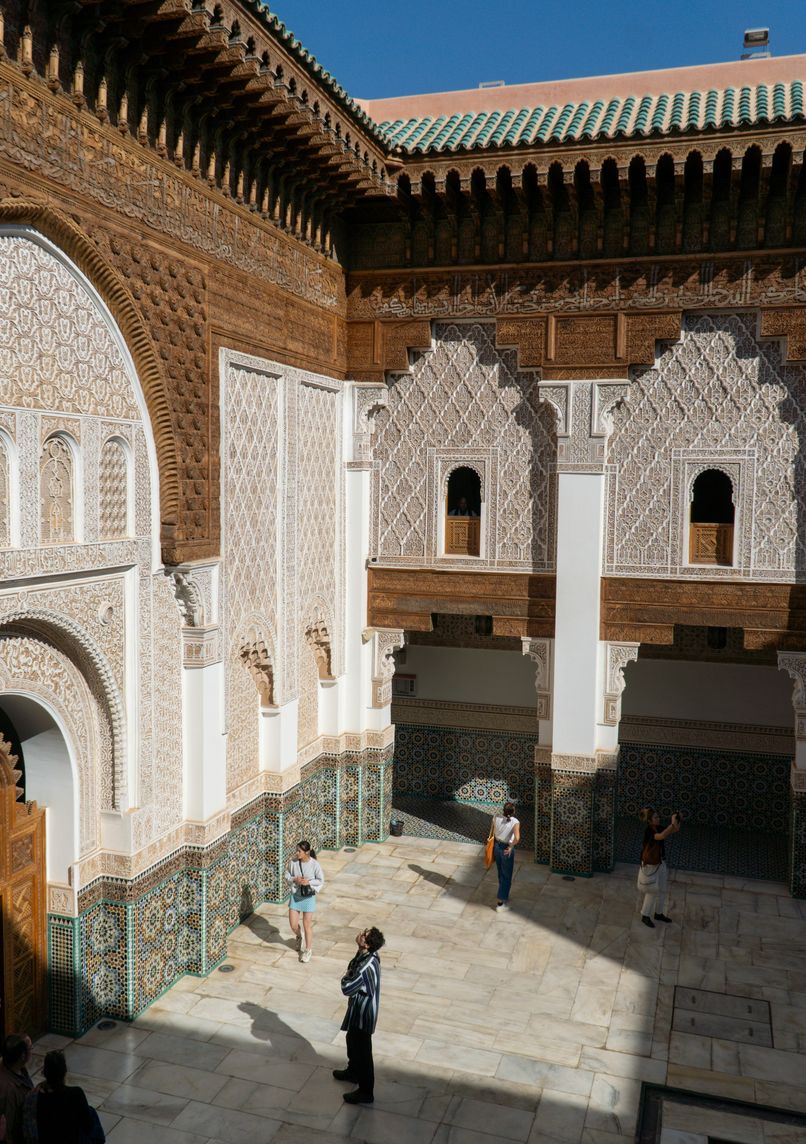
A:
501,907
306,955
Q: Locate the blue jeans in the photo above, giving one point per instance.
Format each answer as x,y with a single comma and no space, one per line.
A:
505,864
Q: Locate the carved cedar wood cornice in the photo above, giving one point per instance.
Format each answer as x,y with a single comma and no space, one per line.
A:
646,610
521,604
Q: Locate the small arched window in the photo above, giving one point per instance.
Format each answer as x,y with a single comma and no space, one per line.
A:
57,492
463,513
113,493
712,517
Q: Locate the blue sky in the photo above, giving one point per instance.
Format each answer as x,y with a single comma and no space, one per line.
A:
376,48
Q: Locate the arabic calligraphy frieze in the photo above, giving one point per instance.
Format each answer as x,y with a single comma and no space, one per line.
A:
45,134
701,283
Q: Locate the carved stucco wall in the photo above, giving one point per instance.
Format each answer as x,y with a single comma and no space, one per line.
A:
717,398
62,371
281,464
464,401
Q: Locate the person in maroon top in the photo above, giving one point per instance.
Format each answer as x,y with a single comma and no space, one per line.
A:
653,857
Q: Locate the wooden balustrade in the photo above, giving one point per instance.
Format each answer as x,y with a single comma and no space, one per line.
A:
462,535
711,544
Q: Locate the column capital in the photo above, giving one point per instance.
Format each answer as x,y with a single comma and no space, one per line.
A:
618,655
384,643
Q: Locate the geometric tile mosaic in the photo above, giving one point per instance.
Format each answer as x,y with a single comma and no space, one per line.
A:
133,940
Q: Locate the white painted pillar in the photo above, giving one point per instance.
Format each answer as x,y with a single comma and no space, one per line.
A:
204,754
577,659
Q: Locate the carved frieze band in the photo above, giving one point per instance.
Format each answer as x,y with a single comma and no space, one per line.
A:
587,345
375,348
585,764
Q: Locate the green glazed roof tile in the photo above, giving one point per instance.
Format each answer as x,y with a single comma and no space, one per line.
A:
624,117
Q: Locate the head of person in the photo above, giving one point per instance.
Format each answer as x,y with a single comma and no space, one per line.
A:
462,505
305,851
370,939
54,1068
509,809
649,815
16,1051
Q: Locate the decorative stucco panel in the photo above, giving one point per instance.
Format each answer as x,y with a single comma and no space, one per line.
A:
464,403
718,398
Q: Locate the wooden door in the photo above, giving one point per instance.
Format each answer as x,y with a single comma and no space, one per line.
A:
23,886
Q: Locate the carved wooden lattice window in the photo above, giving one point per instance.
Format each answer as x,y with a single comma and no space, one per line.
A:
712,515
56,492
5,498
113,492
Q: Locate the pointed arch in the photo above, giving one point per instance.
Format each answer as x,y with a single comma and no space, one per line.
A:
64,233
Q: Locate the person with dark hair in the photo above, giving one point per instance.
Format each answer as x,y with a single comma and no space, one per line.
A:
506,830
652,873
60,1112
305,878
362,985
15,1083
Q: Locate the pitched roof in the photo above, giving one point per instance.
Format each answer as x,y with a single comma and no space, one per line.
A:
607,107
312,65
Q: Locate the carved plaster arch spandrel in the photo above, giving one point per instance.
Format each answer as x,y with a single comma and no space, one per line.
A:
62,231
474,467
70,638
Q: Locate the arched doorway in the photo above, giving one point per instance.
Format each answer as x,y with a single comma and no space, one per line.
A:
48,777
23,942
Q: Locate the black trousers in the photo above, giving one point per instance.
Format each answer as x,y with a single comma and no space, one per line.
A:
359,1060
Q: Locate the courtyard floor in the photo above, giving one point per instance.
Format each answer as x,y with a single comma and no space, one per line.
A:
536,1025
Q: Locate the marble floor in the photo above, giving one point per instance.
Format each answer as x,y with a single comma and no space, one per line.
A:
537,1025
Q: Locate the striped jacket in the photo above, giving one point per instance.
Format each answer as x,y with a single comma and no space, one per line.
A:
362,984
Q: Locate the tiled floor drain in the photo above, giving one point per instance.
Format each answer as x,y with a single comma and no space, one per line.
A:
723,1015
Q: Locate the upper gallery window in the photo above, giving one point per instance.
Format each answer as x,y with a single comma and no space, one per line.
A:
463,513
712,517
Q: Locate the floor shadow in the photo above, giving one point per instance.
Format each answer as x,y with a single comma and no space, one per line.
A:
453,821
430,875
261,927
269,1027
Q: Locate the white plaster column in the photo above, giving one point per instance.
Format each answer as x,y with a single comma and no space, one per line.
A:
794,664
361,651
203,740
588,675
577,661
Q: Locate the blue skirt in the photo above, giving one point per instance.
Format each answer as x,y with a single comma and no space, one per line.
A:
303,905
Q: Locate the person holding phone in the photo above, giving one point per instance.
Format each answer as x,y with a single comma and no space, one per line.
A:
653,876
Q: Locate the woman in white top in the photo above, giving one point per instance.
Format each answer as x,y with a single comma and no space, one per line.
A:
305,878
507,833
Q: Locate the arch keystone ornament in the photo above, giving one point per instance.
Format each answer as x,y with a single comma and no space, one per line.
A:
23,984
